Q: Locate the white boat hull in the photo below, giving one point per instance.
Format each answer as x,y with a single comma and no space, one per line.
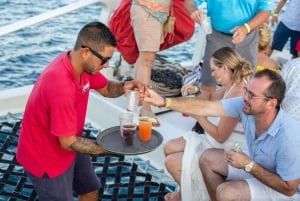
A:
103,113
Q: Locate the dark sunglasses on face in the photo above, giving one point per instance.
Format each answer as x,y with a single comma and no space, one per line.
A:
102,58
250,95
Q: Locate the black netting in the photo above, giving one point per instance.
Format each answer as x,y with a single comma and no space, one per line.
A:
120,179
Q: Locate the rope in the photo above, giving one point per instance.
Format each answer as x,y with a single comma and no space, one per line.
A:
166,77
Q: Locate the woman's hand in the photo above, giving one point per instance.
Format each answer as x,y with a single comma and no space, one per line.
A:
189,89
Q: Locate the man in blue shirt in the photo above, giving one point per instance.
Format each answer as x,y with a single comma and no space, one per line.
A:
234,25
271,172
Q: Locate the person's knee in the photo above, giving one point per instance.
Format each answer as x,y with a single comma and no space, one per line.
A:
174,146
207,158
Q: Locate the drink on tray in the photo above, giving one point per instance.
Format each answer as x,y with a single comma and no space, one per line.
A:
128,133
145,128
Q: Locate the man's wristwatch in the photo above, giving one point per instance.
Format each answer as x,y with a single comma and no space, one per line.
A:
249,166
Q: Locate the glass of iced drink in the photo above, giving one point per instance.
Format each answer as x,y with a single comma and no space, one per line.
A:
145,128
132,100
128,133
127,128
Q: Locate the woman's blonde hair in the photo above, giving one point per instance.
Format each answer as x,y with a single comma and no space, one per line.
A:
241,68
265,37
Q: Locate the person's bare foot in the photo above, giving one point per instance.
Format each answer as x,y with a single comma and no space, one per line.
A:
173,196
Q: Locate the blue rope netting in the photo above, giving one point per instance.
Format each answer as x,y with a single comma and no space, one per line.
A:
120,178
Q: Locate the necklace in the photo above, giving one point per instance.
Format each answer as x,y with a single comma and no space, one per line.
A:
228,91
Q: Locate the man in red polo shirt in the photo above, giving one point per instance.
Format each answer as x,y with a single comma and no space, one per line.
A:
51,147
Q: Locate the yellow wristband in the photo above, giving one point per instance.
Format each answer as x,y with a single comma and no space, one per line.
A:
247,27
275,14
168,102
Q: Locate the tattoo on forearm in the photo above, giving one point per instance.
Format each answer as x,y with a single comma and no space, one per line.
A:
86,146
115,89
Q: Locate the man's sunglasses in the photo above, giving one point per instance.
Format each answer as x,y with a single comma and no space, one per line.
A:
102,58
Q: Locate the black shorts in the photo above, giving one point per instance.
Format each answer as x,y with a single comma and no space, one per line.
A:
281,36
80,178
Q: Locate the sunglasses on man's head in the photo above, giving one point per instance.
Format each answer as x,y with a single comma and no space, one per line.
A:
102,58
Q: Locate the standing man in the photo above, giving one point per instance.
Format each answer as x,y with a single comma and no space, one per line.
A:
271,172
234,25
51,147
288,27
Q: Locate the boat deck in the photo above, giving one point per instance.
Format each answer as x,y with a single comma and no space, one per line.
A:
122,178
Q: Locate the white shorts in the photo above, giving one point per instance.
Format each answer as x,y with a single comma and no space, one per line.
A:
258,190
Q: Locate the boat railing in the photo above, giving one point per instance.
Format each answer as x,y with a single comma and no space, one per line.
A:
107,7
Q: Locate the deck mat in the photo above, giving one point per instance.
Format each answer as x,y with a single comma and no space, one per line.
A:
120,179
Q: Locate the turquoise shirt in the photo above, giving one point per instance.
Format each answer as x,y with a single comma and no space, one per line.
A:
277,150
225,15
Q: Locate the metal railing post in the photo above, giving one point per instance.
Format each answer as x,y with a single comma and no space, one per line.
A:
108,6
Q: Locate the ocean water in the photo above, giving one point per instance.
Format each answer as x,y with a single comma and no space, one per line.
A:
25,53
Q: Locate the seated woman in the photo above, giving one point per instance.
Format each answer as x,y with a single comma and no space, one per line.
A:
182,154
264,49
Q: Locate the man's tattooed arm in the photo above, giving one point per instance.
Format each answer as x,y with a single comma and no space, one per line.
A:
112,90
86,146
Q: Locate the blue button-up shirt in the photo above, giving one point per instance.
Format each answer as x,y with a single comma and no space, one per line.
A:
277,149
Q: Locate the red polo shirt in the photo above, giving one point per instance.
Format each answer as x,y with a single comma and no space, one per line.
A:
56,107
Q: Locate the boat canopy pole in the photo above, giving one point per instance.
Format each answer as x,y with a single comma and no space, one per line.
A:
107,7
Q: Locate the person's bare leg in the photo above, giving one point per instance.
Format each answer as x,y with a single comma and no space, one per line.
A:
173,164
143,65
174,145
142,73
214,170
92,196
